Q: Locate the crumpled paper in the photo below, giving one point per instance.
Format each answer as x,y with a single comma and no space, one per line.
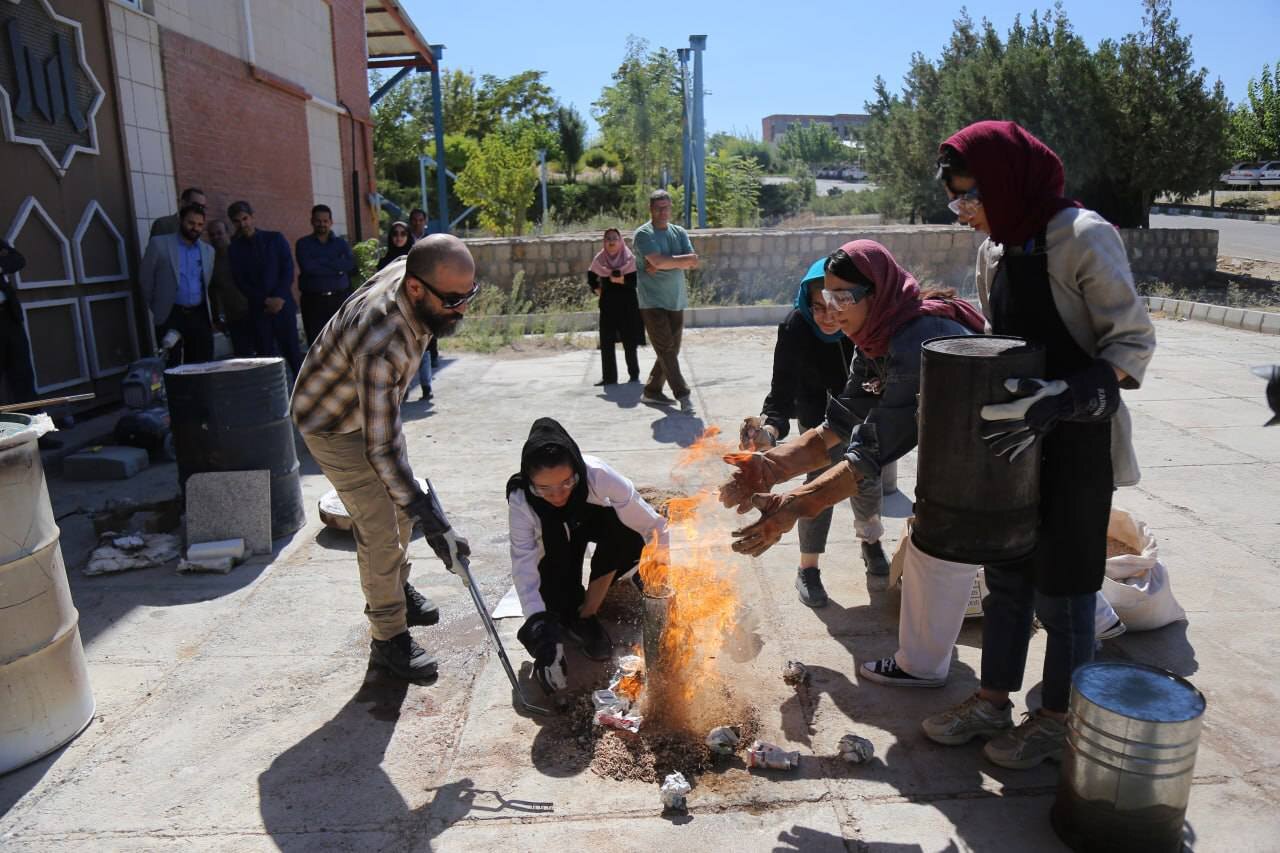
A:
723,740
122,553
855,749
674,790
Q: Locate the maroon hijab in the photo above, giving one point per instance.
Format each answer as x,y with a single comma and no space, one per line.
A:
1019,177
896,301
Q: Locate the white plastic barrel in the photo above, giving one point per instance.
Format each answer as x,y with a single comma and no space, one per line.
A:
45,698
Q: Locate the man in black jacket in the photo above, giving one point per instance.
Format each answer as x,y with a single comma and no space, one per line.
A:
15,350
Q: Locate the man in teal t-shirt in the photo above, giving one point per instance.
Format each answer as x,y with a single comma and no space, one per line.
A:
665,253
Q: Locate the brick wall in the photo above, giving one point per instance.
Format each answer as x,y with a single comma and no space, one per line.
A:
759,265
235,135
350,60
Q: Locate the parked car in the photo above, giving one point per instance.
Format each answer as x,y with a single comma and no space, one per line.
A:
1242,175
1270,174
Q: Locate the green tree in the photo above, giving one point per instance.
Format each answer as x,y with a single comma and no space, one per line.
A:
1255,123
572,131
813,144
640,113
763,153
501,177
506,99
733,191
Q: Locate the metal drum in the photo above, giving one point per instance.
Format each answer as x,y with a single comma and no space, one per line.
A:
233,415
972,506
45,697
1132,733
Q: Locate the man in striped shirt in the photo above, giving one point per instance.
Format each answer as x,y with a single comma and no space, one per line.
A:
346,404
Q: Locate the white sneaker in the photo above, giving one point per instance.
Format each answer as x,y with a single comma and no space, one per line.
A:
974,717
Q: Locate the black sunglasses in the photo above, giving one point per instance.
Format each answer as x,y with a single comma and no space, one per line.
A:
449,301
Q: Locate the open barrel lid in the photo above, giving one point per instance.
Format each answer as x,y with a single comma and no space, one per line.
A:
1139,692
977,346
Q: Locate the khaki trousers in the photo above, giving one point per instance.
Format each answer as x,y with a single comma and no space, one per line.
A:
665,329
382,529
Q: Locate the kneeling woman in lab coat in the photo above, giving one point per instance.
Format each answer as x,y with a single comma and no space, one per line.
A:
560,501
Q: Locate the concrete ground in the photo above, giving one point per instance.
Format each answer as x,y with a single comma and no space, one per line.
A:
234,712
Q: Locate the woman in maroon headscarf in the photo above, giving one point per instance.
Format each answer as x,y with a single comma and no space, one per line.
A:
880,307
1058,275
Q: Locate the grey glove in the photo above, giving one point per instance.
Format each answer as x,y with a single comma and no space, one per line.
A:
1091,395
447,544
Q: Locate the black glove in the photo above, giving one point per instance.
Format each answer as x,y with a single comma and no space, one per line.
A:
448,545
1089,396
540,636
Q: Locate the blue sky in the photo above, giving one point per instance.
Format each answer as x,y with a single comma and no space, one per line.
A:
798,57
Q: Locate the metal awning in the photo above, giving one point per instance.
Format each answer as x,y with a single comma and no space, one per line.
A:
394,42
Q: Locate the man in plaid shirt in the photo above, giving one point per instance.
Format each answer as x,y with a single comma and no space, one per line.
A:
346,404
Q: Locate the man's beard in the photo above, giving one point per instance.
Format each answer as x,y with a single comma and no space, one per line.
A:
441,325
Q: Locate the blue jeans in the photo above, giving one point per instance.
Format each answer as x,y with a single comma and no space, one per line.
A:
1011,601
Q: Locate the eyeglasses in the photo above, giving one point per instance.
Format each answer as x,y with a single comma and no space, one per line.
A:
838,300
452,300
543,491
966,203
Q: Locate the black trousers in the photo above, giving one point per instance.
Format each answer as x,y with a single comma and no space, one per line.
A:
618,548
318,309
15,359
197,334
277,334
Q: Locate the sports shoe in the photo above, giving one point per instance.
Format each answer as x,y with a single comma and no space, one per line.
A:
1037,737
974,717
402,657
873,558
591,637
887,671
418,609
809,585
1115,630
686,405
656,398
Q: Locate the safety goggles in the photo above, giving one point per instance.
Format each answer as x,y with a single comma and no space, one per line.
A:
967,203
838,300
449,301
559,489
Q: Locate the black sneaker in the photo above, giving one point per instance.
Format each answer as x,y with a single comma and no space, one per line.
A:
873,558
402,657
591,637
887,671
418,609
809,585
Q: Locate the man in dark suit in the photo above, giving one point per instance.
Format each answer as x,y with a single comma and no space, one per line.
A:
15,350
262,268
174,280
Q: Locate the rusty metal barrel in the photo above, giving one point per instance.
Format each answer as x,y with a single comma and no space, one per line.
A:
972,506
45,697
1132,735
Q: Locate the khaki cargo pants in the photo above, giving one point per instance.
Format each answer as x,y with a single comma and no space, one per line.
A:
382,529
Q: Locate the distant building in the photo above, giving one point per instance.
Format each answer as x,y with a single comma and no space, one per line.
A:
845,125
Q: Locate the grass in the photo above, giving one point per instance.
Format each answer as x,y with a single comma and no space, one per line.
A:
1231,296
507,321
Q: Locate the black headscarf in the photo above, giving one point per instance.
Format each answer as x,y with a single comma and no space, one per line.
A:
546,432
394,251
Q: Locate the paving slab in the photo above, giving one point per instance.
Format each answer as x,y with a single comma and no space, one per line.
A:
237,713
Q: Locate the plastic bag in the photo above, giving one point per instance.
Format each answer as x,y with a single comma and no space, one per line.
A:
1137,585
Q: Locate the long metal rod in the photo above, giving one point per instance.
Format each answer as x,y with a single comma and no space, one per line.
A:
464,566
437,124
48,401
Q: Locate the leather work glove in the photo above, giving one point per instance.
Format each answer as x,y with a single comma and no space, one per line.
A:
755,434
756,473
540,635
444,541
776,518
1089,396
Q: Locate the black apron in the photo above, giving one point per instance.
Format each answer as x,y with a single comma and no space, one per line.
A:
1076,480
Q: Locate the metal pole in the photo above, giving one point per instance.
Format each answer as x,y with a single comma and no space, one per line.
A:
686,163
542,176
437,122
422,180
698,44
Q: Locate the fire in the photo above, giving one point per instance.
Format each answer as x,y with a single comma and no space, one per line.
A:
700,570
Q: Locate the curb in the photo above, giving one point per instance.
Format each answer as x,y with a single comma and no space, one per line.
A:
1212,213
587,321
1265,322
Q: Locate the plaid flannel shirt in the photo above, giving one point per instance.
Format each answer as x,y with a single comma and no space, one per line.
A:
357,373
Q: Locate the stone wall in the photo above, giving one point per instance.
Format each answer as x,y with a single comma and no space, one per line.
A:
746,266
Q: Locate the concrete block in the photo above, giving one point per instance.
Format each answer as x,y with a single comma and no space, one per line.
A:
1234,318
105,463
1270,324
1216,314
230,505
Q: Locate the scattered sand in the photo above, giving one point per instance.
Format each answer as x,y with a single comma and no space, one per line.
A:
659,498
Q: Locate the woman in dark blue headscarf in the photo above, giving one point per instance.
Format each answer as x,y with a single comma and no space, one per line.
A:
810,361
